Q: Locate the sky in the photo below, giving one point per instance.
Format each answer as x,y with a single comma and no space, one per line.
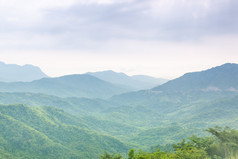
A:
161,38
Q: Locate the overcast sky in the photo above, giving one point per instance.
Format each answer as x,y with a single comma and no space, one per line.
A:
162,38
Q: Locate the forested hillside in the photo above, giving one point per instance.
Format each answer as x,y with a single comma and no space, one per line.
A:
223,144
52,126
45,132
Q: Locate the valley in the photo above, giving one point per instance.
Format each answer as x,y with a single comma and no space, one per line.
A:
51,118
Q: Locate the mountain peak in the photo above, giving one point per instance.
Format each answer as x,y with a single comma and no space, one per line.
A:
222,78
229,64
226,66
15,73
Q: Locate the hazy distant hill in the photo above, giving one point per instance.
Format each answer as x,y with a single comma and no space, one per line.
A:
136,82
209,95
212,84
148,79
66,86
221,78
15,73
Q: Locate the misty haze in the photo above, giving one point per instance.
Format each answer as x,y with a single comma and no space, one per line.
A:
125,79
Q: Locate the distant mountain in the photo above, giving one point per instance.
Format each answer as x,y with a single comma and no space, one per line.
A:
136,82
66,86
16,73
200,99
46,132
148,79
221,78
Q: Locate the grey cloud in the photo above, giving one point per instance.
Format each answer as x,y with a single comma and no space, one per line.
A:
134,20
138,20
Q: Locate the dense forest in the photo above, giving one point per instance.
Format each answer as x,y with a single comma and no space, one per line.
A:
221,144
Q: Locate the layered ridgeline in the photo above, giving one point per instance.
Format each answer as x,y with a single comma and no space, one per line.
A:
136,82
195,100
81,85
137,126
221,78
45,132
88,111
147,124
208,84
15,73
28,78
151,117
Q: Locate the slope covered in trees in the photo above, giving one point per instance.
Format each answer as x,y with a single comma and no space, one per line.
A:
152,120
45,132
223,144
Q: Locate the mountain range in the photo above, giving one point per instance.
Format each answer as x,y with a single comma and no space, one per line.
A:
79,116
66,86
136,82
29,78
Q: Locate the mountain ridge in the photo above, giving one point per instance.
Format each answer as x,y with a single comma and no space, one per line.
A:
16,73
135,82
219,78
77,85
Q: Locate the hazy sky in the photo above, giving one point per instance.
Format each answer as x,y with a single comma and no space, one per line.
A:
162,38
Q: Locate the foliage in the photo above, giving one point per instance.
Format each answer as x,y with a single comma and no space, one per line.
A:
46,132
197,147
131,154
106,155
227,139
147,119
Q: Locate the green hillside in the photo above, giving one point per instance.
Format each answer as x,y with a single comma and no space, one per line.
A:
142,117
45,132
75,106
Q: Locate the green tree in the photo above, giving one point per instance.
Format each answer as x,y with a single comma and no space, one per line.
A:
131,154
191,153
228,139
189,150
106,155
